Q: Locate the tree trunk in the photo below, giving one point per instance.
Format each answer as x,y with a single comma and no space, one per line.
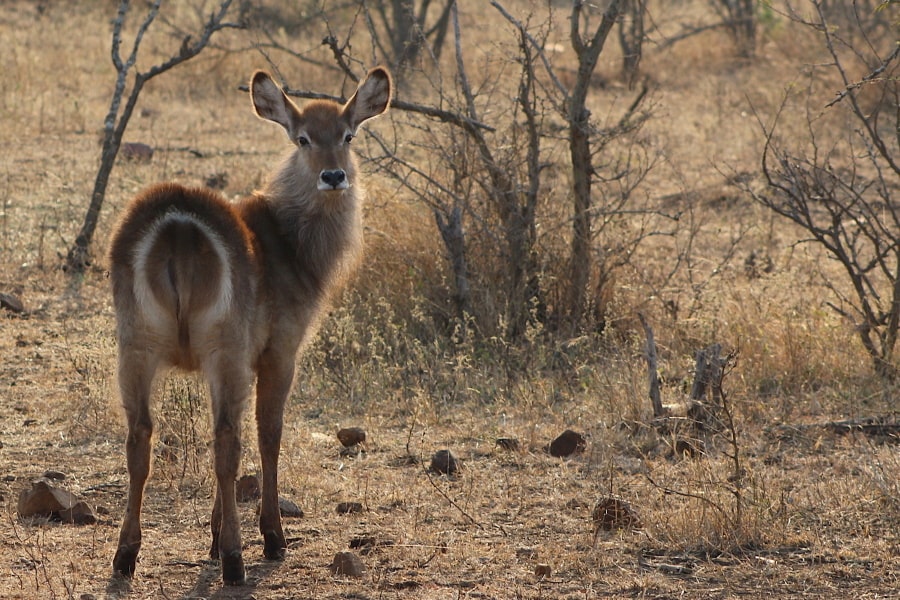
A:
582,171
450,227
79,256
652,370
580,150
708,374
631,40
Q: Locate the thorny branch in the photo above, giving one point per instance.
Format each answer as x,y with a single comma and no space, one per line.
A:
872,77
847,206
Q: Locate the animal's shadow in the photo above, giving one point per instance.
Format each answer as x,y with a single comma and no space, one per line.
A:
208,583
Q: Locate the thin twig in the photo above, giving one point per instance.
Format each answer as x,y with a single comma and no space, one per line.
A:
870,78
452,502
652,369
538,47
338,53
681,493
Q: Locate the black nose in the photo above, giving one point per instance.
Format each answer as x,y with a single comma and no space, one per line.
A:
333,178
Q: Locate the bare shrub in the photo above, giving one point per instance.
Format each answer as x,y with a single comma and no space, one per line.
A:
118,116
495,191
841,189
475,153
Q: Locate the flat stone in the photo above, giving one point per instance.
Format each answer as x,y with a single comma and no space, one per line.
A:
347,563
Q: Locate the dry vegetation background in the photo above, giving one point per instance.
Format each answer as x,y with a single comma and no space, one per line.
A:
816,514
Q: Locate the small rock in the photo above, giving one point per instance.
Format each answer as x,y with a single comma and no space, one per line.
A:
216,181
363,542
246,489
47,500
351,436
136,151
347,563
692,448
54,475
542,571
346,508
289,509
11,303
611,513
44,499
444,462
508,443
569,442
526,553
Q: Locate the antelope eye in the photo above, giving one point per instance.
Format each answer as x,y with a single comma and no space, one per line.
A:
303,140
348,138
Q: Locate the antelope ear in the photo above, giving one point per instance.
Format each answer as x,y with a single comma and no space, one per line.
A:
270,102
371,99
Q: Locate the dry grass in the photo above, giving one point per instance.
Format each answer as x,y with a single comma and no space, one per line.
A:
820,513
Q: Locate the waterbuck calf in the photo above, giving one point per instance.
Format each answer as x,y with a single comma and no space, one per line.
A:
234,290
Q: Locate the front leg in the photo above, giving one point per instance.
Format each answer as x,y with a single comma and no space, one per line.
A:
274,378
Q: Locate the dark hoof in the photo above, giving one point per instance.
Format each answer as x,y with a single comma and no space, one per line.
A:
233,569
274,547
125,559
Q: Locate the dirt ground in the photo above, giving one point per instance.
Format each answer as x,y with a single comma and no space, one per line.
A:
826,527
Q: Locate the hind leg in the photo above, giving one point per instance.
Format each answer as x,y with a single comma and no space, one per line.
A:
229,388
136,372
